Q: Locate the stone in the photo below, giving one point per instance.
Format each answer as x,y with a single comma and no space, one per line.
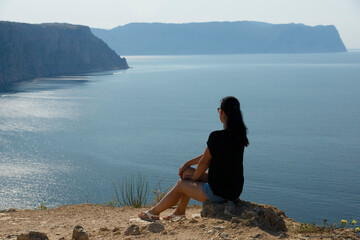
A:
224,235
10,210
116,229
104,229
32,235
193,221
257,236
235,220
155,227
79,233
250,214
219,228
283,235
132,230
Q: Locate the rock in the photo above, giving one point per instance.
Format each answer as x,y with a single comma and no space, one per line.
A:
263,216
283,235
257,236
104,229
155,227
33,236
219,228
79,233
224,235
10,210
196,215
116,229
193,221
132,230
235,220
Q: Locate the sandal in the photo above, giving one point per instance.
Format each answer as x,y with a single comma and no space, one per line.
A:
150,217
173,217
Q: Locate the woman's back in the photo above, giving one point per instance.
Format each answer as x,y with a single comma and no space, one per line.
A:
226,177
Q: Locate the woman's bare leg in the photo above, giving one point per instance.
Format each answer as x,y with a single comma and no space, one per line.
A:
191,189
184,200
188,188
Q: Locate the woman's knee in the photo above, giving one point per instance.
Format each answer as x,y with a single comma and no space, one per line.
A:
179,186
188,173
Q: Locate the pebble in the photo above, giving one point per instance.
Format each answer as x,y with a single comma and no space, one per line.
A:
132,230
155,227
79,233
219,227
257,236
224,235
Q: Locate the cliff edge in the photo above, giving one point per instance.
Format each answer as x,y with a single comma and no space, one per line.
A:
87,221
40,50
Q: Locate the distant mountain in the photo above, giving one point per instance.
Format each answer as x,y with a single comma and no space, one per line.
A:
220,38
39,50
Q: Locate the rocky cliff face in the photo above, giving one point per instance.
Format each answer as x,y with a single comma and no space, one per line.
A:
39,50
221,38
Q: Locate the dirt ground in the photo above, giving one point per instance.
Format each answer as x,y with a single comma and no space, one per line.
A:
103,222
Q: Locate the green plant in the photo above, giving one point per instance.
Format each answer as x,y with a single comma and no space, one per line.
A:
159,194
42,206
310,228
133,192
113,203
313,228
350,224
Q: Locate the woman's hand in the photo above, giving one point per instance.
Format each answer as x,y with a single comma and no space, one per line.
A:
182,169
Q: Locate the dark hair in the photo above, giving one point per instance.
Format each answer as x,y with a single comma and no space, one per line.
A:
235,124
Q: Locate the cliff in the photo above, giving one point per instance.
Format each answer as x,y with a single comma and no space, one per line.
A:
87,221
221,38
39,50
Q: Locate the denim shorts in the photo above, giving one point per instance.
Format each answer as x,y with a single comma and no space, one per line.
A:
211,196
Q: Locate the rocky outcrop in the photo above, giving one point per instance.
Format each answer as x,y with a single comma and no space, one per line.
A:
221,38
40,50
265,217
241,220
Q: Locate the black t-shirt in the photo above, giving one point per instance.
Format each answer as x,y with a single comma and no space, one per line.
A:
226,173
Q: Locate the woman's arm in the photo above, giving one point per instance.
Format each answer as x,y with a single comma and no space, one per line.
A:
203,164
189,163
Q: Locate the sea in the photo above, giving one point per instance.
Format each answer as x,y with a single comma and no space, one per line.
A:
69,139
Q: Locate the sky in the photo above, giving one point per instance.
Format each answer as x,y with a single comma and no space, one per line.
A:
344,14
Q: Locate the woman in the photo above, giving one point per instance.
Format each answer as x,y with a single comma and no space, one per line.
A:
224,158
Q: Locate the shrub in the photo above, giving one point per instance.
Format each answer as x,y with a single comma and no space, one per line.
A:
159,194
133,192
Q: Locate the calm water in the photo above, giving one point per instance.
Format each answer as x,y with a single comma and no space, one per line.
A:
65,140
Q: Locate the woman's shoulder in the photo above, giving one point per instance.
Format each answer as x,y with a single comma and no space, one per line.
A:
218,133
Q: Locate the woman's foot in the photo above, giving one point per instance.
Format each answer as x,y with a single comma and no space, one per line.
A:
173,217
147,216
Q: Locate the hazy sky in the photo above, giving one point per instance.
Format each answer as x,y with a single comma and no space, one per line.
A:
344,14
